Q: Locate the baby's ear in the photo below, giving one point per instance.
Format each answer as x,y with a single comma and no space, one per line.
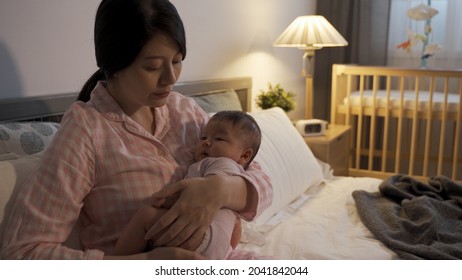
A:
246,155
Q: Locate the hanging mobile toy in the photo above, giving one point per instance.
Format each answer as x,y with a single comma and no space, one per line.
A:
419,13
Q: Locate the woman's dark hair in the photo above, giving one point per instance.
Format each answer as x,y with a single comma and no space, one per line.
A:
123,27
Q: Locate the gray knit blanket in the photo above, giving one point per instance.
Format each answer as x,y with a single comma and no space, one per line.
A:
414,219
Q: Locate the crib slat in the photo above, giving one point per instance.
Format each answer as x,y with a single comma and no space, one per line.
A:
443,127
334,97
386,125
457,133
399,135
429,128
348,112
414,126
360,122
375,86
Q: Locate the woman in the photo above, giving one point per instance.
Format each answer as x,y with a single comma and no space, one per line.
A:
131,138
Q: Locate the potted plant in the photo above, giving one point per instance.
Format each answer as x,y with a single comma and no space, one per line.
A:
276,96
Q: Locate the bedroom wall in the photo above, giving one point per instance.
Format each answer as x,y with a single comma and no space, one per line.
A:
46,47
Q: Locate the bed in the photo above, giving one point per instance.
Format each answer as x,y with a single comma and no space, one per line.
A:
313,214
403,120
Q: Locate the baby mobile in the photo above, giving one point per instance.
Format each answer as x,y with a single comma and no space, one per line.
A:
424,13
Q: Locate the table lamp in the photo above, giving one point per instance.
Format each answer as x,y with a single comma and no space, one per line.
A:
310,33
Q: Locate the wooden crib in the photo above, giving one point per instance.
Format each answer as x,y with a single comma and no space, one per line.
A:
406,121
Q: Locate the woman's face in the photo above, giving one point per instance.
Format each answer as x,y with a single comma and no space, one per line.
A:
150,78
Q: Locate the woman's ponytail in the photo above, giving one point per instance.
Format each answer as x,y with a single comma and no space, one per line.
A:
88,87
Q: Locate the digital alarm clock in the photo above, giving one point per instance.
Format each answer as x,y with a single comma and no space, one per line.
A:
312,127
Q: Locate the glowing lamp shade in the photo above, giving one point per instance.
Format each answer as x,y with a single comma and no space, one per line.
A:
310,33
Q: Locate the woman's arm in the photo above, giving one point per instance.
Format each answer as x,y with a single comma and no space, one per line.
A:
199,199
48,205
259,192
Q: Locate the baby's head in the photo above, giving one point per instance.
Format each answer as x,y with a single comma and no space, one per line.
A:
232,134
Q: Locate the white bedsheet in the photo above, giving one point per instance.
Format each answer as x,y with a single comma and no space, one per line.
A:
325,226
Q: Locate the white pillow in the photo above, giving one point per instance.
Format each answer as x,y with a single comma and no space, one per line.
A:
286,158
25,138
212,102
13,173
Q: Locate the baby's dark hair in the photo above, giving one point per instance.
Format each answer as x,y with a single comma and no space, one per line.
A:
244,122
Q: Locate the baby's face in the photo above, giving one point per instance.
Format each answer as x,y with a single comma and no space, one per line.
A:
220,139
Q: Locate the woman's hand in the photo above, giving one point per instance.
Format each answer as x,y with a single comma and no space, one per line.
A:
194,202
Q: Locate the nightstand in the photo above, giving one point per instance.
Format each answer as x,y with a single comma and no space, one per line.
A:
332,147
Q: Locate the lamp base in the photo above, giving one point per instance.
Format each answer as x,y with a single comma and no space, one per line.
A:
308,58
309,97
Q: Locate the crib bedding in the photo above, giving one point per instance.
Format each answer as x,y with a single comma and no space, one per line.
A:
378,99
325,226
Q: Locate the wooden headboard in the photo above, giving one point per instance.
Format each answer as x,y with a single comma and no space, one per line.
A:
52,107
